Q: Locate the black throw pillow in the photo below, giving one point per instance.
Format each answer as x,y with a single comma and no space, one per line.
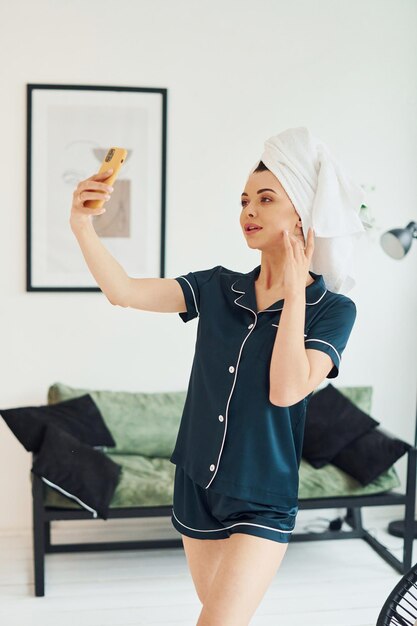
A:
79,417
332,422
370,455
77,470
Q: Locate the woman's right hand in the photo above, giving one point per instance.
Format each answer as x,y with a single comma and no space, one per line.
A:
89,189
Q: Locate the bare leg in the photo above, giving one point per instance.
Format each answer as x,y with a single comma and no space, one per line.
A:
203,558
247,567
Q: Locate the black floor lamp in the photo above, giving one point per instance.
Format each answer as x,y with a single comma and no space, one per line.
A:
396,243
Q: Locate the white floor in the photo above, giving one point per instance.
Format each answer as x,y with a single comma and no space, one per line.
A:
320,583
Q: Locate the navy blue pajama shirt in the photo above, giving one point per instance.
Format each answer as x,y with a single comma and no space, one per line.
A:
231,438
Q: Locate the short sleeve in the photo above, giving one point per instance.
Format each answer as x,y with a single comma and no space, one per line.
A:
330,333
192,285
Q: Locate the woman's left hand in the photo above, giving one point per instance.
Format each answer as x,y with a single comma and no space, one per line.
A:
297,262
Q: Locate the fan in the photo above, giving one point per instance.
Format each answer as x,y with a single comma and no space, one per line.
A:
400,608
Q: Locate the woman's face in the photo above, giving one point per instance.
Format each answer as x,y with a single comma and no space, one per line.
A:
266,203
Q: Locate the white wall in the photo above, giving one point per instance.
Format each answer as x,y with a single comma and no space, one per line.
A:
237,72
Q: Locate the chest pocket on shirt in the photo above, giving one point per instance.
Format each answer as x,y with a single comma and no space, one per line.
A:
266,344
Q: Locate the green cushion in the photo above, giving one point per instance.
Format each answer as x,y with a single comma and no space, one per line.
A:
147,423
141,423
145,427
143,482
150,482
330,481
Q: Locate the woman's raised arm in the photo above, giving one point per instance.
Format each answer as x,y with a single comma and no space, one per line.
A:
148,294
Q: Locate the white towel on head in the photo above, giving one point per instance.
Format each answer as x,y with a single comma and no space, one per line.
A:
324,196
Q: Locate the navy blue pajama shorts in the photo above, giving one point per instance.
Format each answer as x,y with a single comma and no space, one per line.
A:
204,514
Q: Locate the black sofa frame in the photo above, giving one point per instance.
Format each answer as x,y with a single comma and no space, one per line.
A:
43,516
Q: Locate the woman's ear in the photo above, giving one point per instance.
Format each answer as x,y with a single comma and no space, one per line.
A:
298,231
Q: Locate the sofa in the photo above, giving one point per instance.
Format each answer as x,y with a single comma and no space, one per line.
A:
144,427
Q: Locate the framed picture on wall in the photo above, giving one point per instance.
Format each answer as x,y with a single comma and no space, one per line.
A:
70,128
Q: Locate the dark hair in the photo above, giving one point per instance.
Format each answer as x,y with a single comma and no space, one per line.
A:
261,167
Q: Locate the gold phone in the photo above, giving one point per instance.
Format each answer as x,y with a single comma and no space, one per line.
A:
114,158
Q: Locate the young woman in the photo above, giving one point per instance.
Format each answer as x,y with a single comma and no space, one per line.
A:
265,340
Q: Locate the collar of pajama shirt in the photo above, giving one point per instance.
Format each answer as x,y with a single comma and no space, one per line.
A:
231,438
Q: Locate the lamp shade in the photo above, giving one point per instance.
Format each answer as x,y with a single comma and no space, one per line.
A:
397,242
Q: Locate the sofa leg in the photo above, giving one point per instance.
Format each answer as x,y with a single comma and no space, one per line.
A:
47,533
38,536
354,518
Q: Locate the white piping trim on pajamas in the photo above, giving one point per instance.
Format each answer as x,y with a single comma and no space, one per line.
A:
237,364
280,308
215,530
328,344
234,382
192,291
70,495
317,301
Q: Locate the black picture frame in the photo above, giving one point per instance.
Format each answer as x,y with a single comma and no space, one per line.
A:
134,118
